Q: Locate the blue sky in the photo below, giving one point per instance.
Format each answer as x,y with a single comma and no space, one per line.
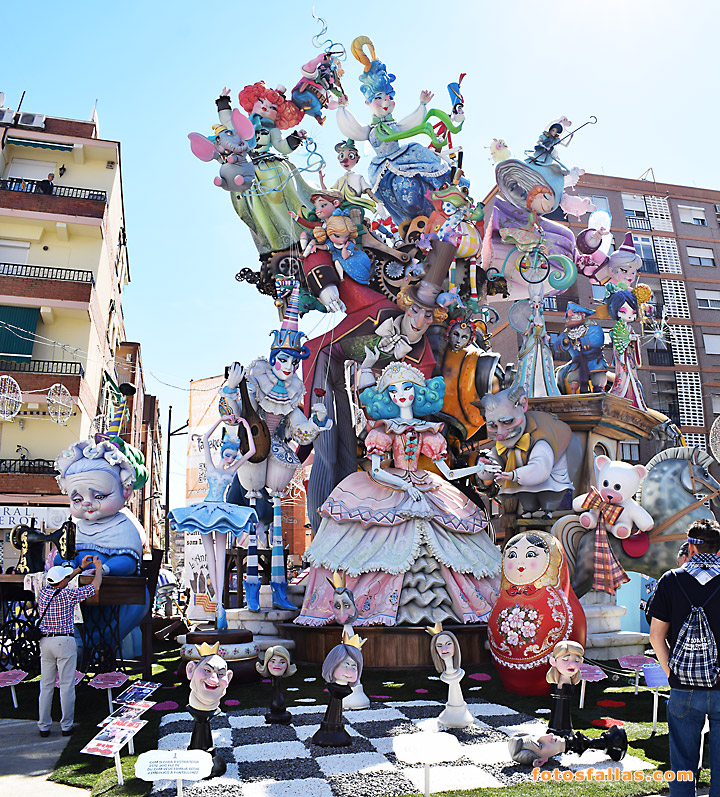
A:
648,69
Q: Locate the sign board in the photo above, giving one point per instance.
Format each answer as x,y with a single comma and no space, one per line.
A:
52,516
654,675
203,413
173,765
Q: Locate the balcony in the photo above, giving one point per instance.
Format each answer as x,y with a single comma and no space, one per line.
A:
55,367
25,466
672,410
649,266
46,273
660,357
46,284
637,223
21,194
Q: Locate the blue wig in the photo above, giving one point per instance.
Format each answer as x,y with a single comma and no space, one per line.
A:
377,79
428,400
229,443
616,300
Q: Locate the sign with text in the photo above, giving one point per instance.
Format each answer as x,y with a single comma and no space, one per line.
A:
173,765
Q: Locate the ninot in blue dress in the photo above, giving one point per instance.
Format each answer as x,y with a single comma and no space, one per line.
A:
213,514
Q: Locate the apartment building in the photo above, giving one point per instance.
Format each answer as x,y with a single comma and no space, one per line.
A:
63,270
676,231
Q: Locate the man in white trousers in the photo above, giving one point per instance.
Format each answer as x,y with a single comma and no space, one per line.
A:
58,648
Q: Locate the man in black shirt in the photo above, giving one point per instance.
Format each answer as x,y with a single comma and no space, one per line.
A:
688,707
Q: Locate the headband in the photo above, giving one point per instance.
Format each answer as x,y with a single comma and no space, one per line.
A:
696,541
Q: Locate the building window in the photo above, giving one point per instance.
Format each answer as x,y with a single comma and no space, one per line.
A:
634,205
30,169
644,247
699,256
690,215
598,293
712,343
601,203
629,450
715,404
708,300
14,252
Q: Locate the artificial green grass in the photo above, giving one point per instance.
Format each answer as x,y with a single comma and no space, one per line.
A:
98,774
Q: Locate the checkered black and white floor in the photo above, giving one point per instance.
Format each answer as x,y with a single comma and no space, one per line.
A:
280,761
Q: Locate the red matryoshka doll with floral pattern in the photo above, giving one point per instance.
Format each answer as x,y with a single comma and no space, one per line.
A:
536,609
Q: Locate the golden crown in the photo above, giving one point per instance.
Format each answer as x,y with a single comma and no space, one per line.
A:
354,641
338,580
434,630
207,650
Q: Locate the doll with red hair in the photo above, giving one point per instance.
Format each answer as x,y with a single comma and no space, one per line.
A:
279,187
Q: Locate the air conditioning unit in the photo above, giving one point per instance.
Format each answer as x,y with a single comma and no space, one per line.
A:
6,116
32,120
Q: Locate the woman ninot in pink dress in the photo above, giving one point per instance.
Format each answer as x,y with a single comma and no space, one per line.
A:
414,548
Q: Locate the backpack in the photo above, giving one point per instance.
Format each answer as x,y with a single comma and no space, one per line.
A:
694,658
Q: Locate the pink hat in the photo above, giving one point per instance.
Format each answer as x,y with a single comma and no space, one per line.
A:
627,244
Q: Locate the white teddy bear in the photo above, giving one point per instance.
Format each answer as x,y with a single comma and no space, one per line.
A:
617,484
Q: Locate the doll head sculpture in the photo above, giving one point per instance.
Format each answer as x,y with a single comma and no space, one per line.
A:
344,663
326,203
263,103
623,306
276,663
505,415
565,661
444,649
339,229
98,477
527,559
209,678
343,602
535,751
623,264
403,386
348,155
287,349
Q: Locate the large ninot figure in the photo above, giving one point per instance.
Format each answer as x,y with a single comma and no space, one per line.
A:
413,547
400,175
279,187
274,393
319,87
99,478
535,610
532,449
213,518
623,307
584,341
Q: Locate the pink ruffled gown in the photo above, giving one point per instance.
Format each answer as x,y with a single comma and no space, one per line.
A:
406,561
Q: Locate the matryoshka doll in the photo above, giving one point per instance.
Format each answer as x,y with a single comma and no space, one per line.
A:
536,609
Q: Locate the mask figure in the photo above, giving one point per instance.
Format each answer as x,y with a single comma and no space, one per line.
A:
563,675
341,670
535,610
209,680
276,666
445,653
